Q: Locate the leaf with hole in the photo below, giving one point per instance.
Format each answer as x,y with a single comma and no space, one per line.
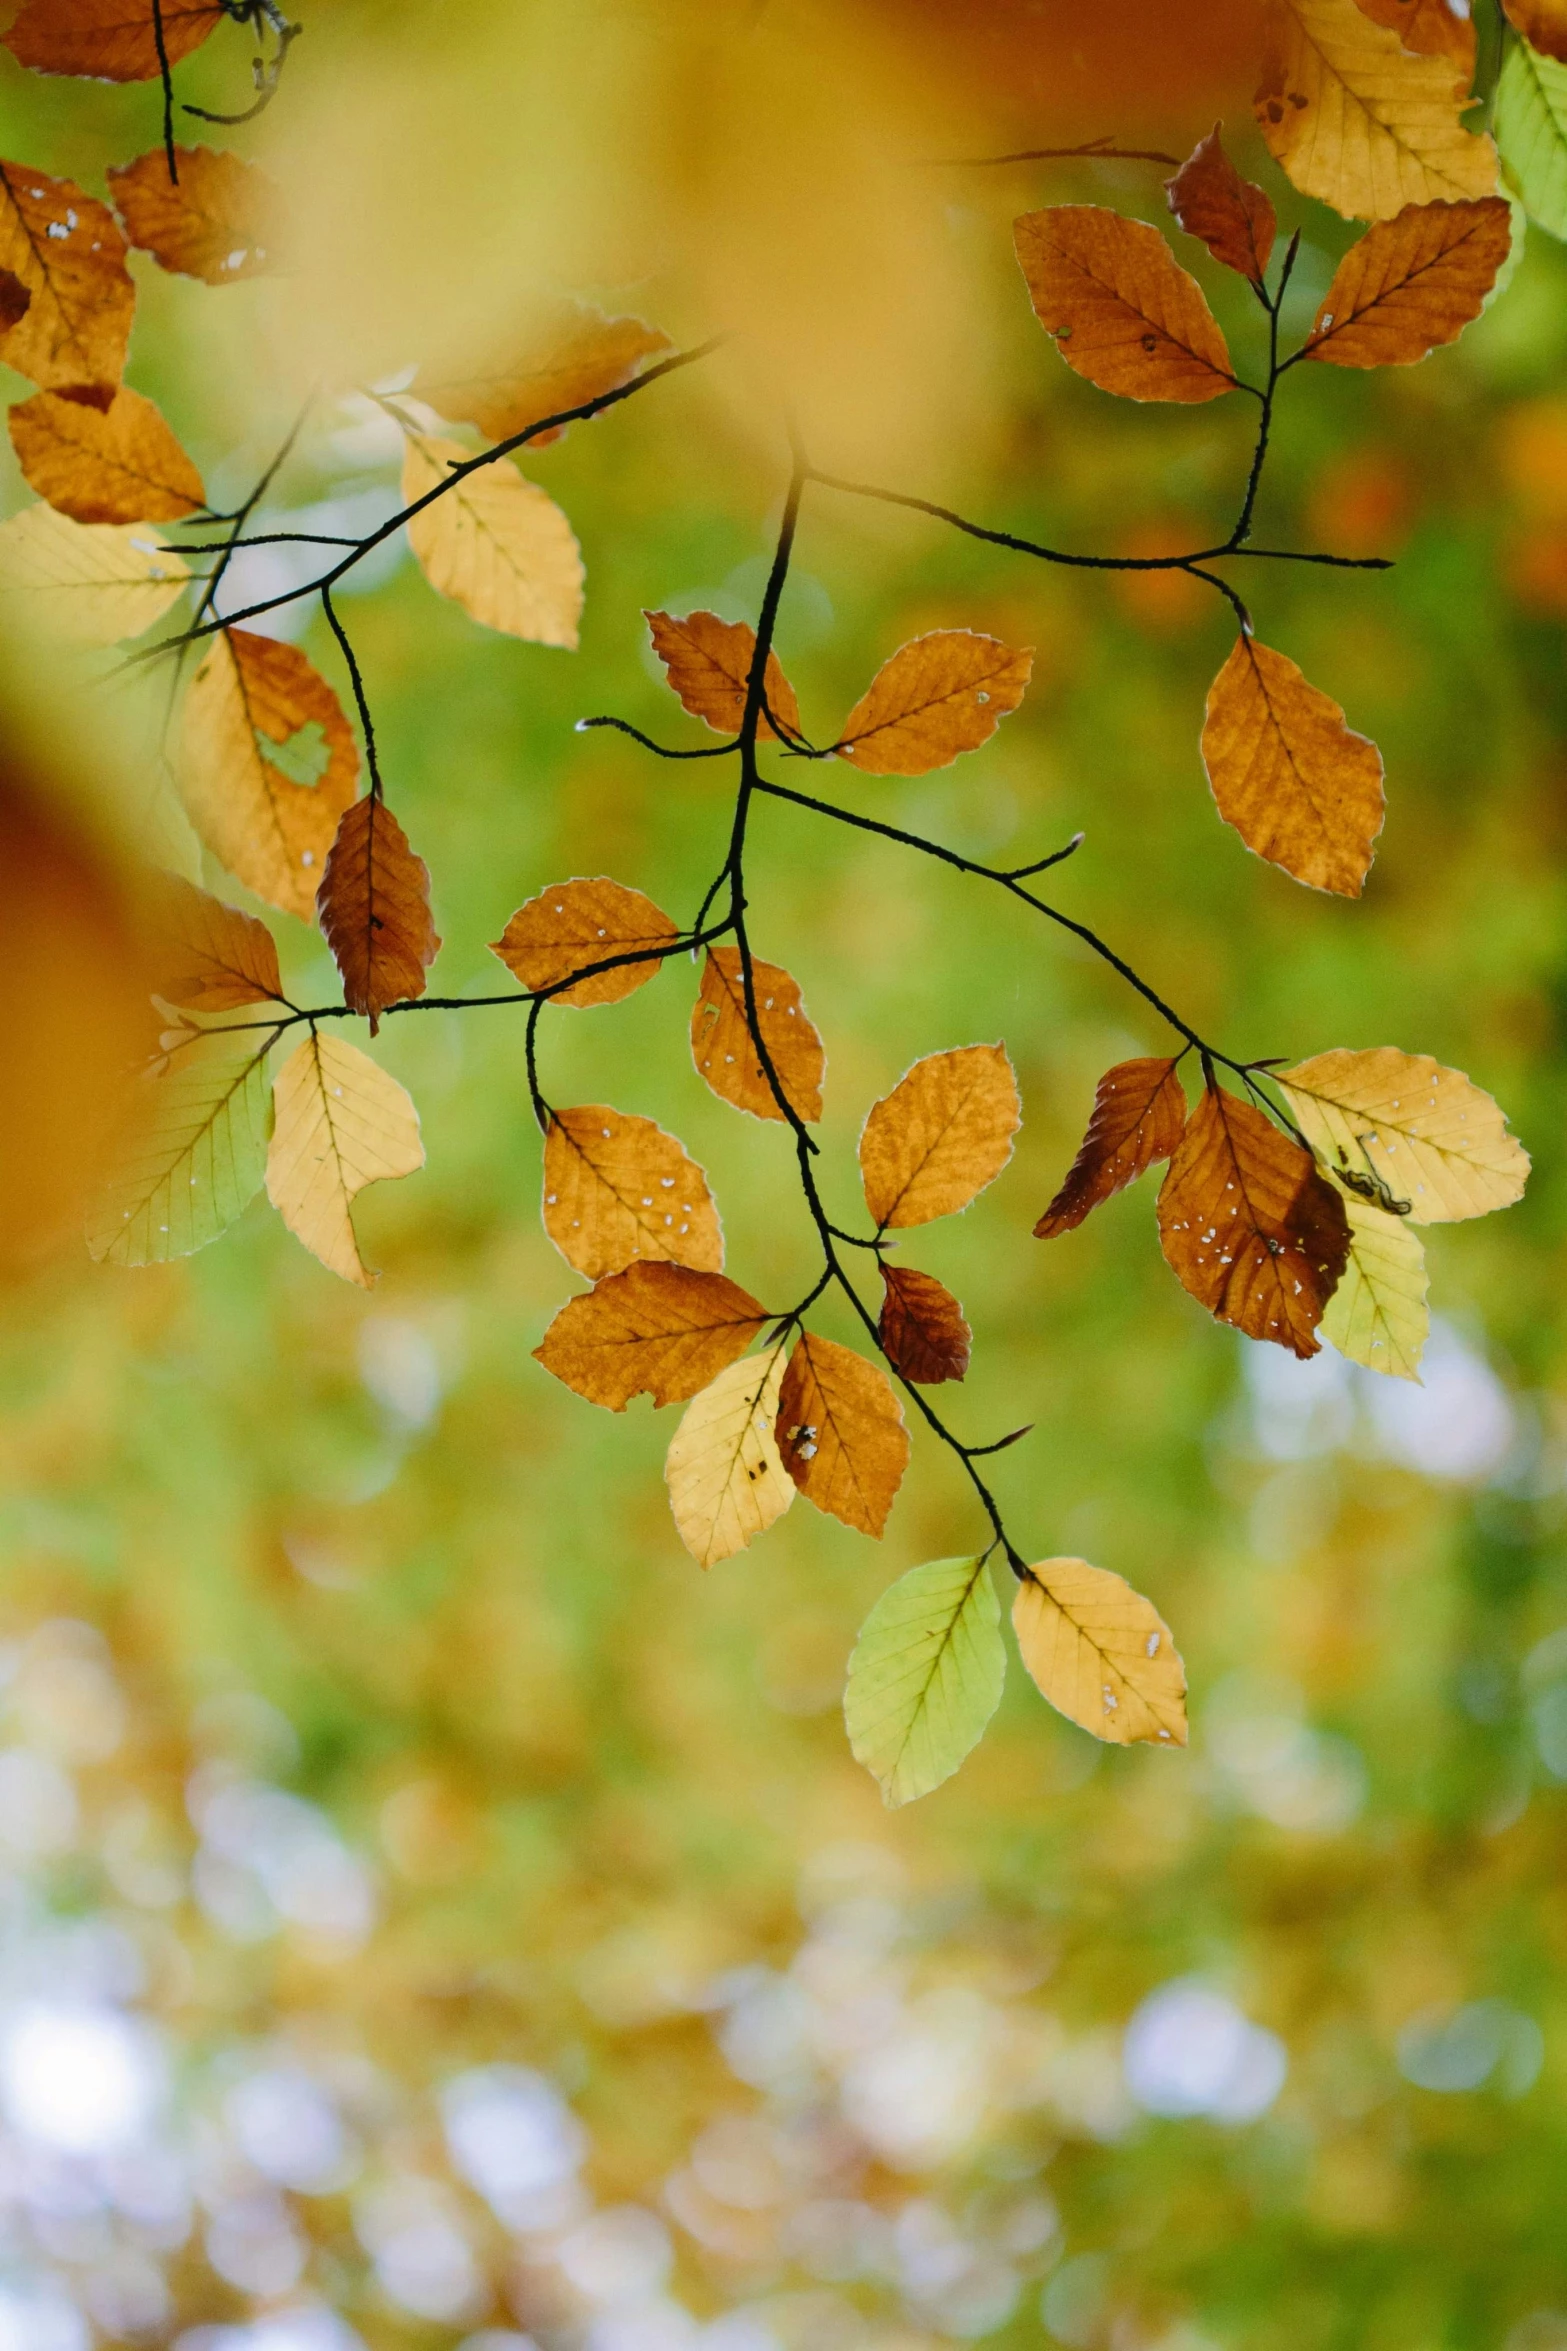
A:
66,250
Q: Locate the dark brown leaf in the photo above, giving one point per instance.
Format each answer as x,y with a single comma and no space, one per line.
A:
108,40
922,1330
1234,218
1139,1115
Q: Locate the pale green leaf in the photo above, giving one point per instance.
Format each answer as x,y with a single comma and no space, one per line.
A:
1377,1316
191,1153
1531,133
926,1676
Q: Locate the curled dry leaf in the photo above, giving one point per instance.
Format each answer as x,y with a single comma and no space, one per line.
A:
339,1123
494,543
223,219
926,1676
572,356
1358,120
1123,311
190,1152
374,907
726,1481
1300,787
1427,1135
88,583
1531,131
841,1434
617,1189
573,924
725,1051
708,664
251,697
922,1330
1101,1653
1377,1316
1234,219
1411,283
66,250
938,695
114,464
211,957
1139,1116
658,1330
942,1134
1543,24
1432,28
1249,1227
108,40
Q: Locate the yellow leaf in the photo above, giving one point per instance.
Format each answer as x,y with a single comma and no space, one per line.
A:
841,1433
1101,1653
1123,311
727,1482
114,464
339,1123
1300,787
1412,283
617,1189
942,1134
495,544
1377,1316
91,583
1425,1133
936,696
572,356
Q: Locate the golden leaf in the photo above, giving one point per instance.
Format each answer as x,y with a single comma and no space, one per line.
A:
221,221
496,544
708,663
190,1153
841,1434
572,356
725,1052
1101,1653
1427,1134
1377,1316
922,1330
339,1123
726,1481
211,957
108,40
1300,787
374,907
573,924
1139,1116
617,1189
942,1134
1123,311
114,464
1411,283
67,251
1234,219
935,697
657,1329
93,583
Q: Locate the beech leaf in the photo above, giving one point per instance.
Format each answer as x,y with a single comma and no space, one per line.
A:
1123,311
108,40
211,957
572,924
1377,1316
708,664
1432,28
1234,218
1139,1116
115,464
841,1433
1301,788
1411,283
926,1676
942,1134
573,355
495,544
1531,132
221,221
374,907
1543,24
91,583
190,1152
1101,1653
936,697
618,1188
1428,1135
657,1329
66,250
339,1123
725,1051
727,1483
922,1331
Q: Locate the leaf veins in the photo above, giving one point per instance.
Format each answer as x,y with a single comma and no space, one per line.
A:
1139,1116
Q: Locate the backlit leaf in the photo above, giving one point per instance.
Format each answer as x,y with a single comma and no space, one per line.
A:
1427,1133
114,464
573,924
223,219
657,1329
190,1154
1543,24
572,356
617,1189
1531,131
1360,121
1249,1227
1432,28
942,1134
725,1052
339,1123
1123,311
935,697
67,251
1234,219
91,583
250,694
374,907
926,1676
108,40
1377,1316
1300,787
15,300
496,544
841,1433
922,1330
1101,1653
1411,283
708,662
1139,1116
726,1481
211,957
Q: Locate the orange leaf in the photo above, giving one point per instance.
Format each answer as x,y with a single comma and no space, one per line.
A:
1139,1116
574,356
841,1433
15,300
1431,28
1411,283
374,907
1249,1227
1234,218
617,1189
725,1051
1300,787
573,924
108,40
660,1330
114,464
1543,24
936,696
67,252
708,662
212,958
1123,311
942,1134
222,222
922,1330
1101,1653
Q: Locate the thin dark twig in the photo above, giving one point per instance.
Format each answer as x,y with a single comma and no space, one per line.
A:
361,699
541,1109
660,750
166,76
1092,150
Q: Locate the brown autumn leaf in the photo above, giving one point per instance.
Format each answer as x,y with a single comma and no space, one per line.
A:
942,1134
108,40
922,1330
619,1189
115,464
1411,283
1431,28
374,907
1234,218
67,252
251,698
841,1434
223,221
708,661
1543,24
210,957
660,1330
573,356
15,300
1249,1227
938,695
725,1052
573,924
1101,1653
1123,311
1139,1116
1300,787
